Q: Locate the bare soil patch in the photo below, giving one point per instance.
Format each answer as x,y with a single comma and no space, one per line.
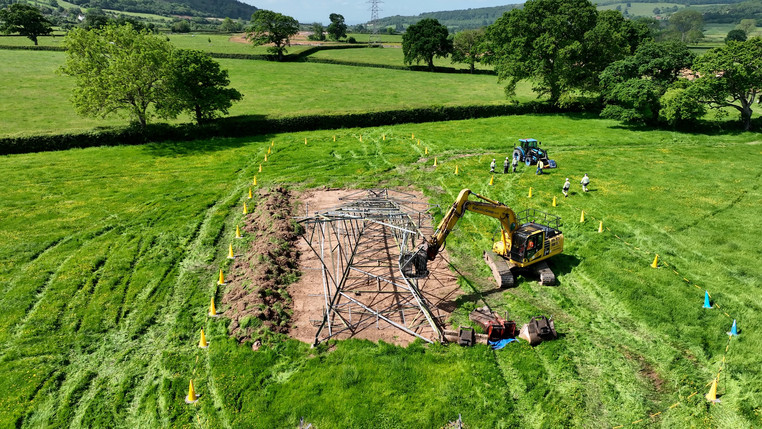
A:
256,294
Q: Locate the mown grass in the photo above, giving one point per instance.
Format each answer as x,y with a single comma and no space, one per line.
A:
108,267
36,98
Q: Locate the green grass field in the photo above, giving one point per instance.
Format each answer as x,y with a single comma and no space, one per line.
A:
269,88
384,56
108,266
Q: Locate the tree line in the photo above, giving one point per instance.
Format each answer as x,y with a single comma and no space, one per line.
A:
568,50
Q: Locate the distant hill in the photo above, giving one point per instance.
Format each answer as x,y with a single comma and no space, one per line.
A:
209,8
454,19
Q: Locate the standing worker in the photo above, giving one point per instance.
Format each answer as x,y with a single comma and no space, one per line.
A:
585,182
506,164
515,162
492,166
539,167
566,187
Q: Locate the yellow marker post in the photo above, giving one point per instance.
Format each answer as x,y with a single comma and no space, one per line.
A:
191,398
426,151
530,193
212,310
712,395
250,194
582,216
554,201
655,263
260,168
221,281
419,142
268,150
334,137
272,143
492,180
305,140
202,342
435,161
412,136
265,157
360,137
231,255
600,227
238,232
456,169
383,137
245,209
255,180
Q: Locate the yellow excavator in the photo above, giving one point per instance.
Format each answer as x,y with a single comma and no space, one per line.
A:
526,241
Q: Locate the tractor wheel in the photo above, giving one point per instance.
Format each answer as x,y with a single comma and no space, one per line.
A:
517,154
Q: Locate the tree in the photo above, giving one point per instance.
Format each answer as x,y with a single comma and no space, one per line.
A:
230,26
26,20
689,24
197,85
632,87
337,28
467,47
272,27
318,32
559,45
425,40
181,26
116,68
679,106
737,35
730,76
747,25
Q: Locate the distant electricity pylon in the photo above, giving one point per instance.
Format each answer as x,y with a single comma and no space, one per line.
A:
375,37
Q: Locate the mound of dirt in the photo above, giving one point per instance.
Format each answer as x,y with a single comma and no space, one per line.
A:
256,295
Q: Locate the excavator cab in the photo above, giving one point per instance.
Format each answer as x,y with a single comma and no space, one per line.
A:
527,244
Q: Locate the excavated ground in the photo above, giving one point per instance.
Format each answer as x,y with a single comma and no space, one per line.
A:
277,284
256,295
440,289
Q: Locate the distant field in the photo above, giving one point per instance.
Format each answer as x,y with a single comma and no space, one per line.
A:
385,38
109,256
390,56
269,88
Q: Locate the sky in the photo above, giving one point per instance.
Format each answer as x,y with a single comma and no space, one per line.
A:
358,11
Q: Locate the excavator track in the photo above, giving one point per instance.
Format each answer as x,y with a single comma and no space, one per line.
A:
501,271
547,278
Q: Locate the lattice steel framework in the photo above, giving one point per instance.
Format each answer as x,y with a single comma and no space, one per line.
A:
375,37
365,248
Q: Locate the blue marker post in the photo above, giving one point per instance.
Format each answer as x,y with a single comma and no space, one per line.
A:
707,304
733,329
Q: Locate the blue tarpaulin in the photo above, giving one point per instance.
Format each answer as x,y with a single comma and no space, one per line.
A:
497,345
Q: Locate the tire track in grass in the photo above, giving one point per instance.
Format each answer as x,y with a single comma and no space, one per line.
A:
41,292
194,257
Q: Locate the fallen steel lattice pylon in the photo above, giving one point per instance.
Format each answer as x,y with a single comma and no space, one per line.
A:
364,246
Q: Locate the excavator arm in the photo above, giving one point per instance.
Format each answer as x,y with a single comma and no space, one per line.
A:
487,207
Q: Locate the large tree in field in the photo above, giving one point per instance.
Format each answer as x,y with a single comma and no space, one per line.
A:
272,27
561,46
116,68
632,87
467,47
24,19
425,40
688,24
337,28
731,76
197,85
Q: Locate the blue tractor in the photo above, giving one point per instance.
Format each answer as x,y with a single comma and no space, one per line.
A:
529,152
